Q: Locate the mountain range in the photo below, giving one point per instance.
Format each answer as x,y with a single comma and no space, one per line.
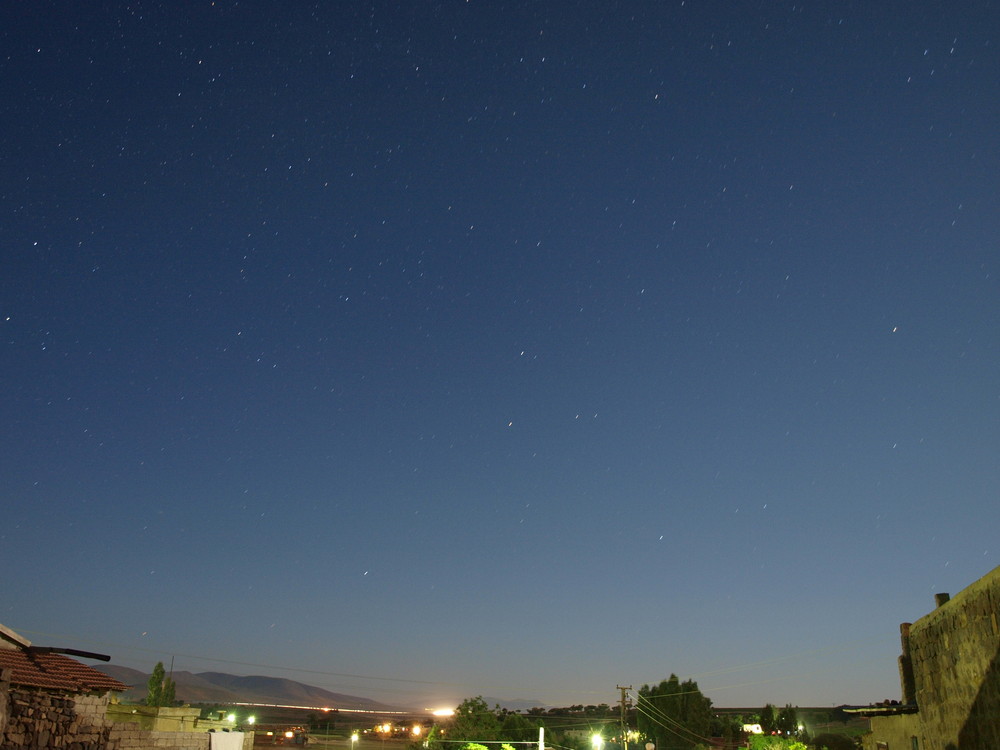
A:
219,687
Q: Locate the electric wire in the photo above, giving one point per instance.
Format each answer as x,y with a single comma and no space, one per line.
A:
440,683
645,706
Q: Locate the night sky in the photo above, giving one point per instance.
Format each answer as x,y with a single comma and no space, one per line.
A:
426,350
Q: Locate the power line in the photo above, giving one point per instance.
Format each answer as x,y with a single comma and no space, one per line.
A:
645,706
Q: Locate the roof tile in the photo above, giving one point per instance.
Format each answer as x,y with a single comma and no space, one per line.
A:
55,672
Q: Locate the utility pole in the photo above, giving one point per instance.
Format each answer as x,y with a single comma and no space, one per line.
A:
624,715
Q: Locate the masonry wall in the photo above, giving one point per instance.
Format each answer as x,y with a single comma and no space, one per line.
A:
893,732
4,700
129,736
954,651
37,720
955,656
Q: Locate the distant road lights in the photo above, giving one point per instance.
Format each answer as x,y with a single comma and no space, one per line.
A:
354,739
251,720
597,742
417,729
231,718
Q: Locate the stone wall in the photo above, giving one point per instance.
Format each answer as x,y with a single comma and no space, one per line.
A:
128,736
954,654
954,651
37,720
4,700
893,732
131,737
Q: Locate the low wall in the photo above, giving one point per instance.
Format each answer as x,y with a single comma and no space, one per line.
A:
129,736
165,718
892,732
39,720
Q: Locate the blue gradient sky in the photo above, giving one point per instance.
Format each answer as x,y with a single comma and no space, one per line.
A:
518,349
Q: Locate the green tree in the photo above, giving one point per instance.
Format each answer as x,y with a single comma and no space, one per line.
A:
831,741
788,720
674,714
160,689
768,719
730,728
516,728
474,721
769,742
431,742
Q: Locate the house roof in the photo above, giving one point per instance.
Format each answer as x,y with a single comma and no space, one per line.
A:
40,668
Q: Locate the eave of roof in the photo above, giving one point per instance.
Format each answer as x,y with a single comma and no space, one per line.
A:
55,672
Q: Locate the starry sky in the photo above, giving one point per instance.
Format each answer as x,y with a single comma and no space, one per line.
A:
425,350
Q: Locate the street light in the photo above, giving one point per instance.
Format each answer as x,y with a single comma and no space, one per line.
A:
597,742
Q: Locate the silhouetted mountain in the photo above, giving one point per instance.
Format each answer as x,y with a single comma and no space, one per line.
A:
218,687
514,704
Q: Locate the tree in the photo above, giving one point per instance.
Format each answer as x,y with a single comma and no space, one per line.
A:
516,728
769,742
160,689
831,741
674,714
768,719
788,720
474,721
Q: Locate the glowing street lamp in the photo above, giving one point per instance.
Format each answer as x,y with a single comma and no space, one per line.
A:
597,742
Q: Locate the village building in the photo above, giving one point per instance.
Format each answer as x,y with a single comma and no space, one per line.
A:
48,700
950,677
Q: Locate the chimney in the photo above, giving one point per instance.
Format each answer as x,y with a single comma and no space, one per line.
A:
940,599
906,679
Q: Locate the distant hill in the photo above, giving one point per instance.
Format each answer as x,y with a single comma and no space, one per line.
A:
514,704
218,687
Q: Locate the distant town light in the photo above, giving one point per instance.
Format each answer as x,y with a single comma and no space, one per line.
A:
443,712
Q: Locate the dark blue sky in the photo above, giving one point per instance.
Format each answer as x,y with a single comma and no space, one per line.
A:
522,349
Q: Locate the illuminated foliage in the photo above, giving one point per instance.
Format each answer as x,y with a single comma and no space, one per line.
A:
160,689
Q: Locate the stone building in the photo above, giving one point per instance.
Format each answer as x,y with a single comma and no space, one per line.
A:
49,700
950,677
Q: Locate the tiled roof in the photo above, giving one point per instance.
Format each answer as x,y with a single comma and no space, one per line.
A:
55,672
